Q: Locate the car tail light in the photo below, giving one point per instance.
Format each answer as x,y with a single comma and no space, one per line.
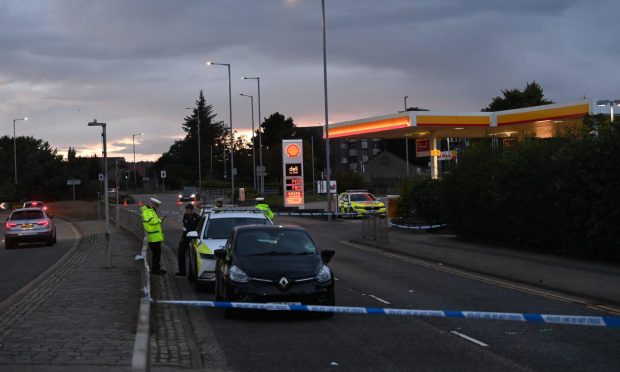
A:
9,225
44,208
43,223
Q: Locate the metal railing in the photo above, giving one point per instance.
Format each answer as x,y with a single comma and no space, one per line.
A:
375,227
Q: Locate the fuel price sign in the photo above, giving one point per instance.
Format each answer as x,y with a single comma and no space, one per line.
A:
293,173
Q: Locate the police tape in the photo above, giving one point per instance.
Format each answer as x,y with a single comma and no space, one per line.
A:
417,227
582,320
313,214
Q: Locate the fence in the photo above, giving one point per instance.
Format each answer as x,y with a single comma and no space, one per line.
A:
375,227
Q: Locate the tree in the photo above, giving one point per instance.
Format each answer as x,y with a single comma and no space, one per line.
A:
531,95
276,128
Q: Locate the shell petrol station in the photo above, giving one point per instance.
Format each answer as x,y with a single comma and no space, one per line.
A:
540,121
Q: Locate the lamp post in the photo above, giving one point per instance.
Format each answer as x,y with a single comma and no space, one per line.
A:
199,152
133,143
232,134
94,123
25,118
253,142
406,102
327,165
611,103
260,138
407,143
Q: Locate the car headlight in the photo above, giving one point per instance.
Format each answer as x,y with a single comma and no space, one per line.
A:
237,275
180,195
324,275
192,196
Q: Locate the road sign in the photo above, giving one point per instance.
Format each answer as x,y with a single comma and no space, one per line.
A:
320,186
73,182
293,172
163,174
261,171
422,148
100,176
435,152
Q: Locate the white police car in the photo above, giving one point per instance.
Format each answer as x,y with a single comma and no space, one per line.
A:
211,234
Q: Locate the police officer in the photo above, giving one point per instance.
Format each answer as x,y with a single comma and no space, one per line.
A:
190,223
155,233
264,208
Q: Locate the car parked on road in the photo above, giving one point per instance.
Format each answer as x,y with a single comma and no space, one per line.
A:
29,225
212,233
274,264
359,202
35,204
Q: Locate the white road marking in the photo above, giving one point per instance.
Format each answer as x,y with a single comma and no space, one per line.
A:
487,279
470,339
379,299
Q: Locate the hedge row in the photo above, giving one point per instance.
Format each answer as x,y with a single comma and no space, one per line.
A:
559,195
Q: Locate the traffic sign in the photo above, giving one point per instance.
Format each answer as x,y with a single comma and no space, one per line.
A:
163,174
100,176
73,182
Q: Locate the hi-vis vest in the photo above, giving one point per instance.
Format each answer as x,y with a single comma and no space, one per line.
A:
266,210
152,224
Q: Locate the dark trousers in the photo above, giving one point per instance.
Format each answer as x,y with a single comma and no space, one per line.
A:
155,255
183,246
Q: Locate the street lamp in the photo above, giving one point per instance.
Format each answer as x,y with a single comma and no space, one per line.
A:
199,152
406,102
253,142
133,143
232,134
260,138
327,167
611,103
94,123
407,143
25,118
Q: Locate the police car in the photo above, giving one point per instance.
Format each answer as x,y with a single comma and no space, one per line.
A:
211,234
359,202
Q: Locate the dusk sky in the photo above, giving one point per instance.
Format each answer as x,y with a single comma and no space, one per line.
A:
136,65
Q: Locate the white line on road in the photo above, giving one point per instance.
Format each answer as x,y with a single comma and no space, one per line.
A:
470,339
379,299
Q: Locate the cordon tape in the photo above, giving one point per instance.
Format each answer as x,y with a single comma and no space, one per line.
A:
594,321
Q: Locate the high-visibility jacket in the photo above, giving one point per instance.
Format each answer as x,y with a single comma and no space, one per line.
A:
266,210
152,224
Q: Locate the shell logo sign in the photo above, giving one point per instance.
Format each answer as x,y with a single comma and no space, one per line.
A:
292,150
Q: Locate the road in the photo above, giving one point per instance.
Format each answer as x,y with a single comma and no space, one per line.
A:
276,341
19,266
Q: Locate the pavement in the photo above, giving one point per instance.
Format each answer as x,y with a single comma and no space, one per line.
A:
594,281
80,315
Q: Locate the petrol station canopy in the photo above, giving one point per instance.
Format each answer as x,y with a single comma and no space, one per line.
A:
540,121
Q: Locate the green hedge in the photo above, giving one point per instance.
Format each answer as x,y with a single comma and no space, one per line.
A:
421,200
558,195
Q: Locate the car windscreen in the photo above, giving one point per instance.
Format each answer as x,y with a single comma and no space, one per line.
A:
26,215
280,242
220,228
362,197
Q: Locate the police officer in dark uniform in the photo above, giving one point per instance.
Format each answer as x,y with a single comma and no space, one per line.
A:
190,223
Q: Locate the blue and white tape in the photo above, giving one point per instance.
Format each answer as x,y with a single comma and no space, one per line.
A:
594,321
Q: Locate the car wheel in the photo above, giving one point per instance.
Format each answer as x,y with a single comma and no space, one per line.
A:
191,275
50,242
218,295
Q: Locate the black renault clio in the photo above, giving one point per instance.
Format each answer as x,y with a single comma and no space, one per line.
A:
275,264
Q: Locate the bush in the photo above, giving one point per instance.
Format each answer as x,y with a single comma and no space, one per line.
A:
557,195
421,199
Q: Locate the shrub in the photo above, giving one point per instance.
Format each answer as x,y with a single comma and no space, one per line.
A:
421,199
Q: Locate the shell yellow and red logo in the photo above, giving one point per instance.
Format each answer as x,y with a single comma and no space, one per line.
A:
292,150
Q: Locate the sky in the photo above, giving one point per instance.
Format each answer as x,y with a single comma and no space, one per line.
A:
136,65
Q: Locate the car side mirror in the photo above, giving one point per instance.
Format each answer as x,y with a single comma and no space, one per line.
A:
220,253
327,255
192,234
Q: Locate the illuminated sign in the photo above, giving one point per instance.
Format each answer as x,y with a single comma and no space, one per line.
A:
293,173
292,150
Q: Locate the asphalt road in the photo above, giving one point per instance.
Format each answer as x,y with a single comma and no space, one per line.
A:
24,263
277,341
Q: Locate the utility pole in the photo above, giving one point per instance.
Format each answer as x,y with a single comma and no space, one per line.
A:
94,123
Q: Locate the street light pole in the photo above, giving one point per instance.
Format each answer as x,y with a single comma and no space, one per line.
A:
253,142
199,152
15,146
327,165
133,143
232,133
94,123
407,143
260,138
611,103
406,102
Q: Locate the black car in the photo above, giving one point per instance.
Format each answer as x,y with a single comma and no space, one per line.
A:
189,194
273,264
